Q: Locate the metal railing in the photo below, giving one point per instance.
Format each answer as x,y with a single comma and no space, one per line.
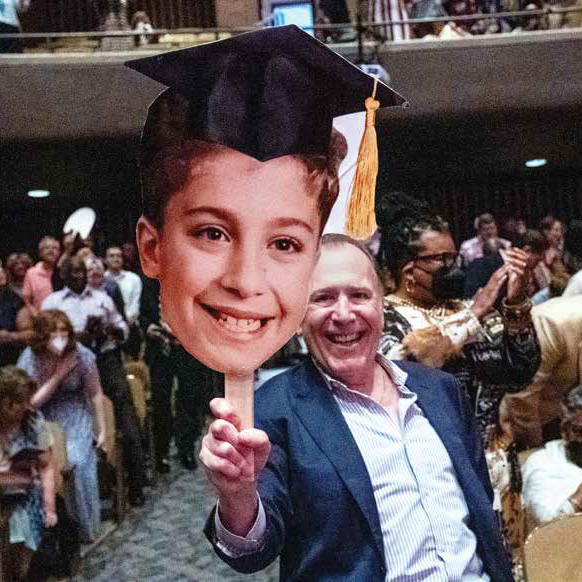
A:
361,31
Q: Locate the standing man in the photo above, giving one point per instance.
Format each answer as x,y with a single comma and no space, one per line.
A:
364,469
131,288
167,360
12,339
129,283
486,228
16,266
37,285
101,327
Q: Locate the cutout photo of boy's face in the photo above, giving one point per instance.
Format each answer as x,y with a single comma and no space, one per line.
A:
234,257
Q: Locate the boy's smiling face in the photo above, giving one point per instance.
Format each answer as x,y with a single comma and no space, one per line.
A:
234,257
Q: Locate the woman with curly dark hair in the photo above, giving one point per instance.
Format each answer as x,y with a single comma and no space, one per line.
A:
490,352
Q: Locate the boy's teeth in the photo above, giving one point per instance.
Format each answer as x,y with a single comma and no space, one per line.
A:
238,325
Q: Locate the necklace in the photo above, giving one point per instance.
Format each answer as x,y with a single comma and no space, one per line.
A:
438,311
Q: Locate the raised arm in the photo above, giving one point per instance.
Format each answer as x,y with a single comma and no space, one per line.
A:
47,390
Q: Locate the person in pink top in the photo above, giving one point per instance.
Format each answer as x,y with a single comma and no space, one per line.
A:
37,284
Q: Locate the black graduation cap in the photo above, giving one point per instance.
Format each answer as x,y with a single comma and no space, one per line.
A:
266,93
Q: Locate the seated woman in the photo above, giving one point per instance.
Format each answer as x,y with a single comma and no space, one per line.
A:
27,480
70,395
488,351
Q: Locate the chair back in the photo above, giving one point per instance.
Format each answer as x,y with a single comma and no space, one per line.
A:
59,456
139,397
552,551
110,433
139,370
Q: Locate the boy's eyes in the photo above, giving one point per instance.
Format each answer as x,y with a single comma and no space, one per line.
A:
287,245
215,234
210,233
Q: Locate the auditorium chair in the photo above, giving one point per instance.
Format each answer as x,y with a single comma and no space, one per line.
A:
552,551
114,457
64,475
138,377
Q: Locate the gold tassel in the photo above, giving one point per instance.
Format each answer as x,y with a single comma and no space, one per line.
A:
361,216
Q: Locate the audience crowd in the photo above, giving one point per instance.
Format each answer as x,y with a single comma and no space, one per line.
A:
503,314
69,324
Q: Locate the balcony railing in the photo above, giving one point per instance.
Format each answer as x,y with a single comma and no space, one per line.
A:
373,34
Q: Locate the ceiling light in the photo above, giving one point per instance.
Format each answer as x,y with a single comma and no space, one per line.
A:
39,193
536,163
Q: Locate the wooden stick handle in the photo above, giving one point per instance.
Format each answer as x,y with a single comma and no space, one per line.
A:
239,391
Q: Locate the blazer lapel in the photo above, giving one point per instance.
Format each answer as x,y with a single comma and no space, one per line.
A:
318,411
435,407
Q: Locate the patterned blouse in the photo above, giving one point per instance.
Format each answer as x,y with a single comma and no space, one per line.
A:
492,359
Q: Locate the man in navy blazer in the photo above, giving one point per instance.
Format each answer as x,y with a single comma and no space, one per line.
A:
360,470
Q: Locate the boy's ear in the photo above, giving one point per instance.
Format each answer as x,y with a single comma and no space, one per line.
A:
148,244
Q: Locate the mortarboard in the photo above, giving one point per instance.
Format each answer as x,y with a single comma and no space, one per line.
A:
266,93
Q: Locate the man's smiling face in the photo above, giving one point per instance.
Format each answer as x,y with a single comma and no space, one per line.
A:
344,318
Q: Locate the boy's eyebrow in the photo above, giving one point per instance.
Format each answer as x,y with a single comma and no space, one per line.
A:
227,215
289,221
218,212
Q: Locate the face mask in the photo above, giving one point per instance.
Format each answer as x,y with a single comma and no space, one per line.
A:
58,344
447,282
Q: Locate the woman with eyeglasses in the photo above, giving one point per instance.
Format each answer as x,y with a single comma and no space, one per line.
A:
490,352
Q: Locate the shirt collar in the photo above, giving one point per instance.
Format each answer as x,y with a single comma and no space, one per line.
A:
396,374
111,275
87,292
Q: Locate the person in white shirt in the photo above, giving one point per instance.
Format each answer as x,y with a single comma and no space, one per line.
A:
129,283
552,476
10,23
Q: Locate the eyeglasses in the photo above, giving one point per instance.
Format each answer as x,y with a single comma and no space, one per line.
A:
447,259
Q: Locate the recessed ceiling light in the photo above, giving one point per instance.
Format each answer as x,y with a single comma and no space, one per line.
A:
536,163
39,193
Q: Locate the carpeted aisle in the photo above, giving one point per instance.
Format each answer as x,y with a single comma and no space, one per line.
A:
164,541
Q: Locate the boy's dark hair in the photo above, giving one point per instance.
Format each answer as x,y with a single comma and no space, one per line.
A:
167,154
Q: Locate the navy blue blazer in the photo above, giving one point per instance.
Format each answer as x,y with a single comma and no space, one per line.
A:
321,514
